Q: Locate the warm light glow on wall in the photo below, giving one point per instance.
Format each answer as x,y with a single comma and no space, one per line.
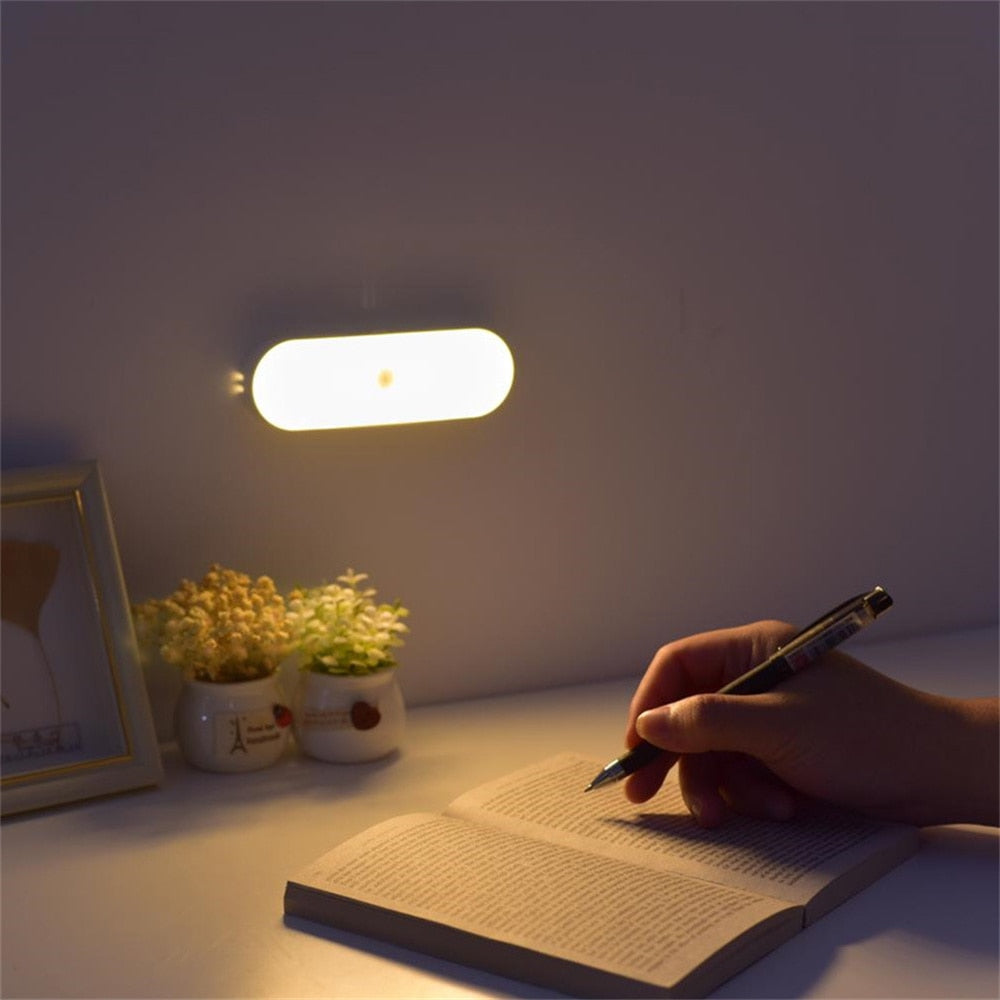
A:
383,378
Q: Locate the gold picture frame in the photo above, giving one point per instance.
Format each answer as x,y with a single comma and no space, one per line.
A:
76,720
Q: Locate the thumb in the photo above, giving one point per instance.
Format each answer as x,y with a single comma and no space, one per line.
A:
707,722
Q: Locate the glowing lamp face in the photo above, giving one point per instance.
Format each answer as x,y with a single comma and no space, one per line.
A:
382,378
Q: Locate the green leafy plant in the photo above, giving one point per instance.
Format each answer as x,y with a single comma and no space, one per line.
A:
226,627
338,628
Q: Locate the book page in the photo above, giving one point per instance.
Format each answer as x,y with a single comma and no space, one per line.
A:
794,861
657,927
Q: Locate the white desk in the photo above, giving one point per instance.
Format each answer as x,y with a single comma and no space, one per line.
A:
176,892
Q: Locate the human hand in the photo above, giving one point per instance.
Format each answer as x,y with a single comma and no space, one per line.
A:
837,731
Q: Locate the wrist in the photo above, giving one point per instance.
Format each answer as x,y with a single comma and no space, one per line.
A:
968,755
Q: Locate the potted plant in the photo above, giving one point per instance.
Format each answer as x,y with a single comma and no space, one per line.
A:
227,634
348,705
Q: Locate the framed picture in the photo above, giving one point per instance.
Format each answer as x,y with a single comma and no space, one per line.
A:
76,719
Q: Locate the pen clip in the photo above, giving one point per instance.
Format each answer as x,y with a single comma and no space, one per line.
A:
875,601
835,626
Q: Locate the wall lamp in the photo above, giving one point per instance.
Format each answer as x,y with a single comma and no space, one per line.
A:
366,380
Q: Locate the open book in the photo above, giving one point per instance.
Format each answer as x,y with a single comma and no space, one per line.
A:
589,895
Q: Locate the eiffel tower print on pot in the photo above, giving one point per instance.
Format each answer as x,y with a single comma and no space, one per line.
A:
227,634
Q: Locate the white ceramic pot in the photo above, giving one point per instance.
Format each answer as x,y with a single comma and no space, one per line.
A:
241,726
347,719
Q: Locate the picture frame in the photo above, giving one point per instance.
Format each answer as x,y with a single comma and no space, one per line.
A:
76,719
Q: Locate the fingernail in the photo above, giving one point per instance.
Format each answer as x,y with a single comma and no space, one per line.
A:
649,723
695,805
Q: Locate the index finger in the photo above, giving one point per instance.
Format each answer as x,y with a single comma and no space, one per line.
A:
694,665
703,662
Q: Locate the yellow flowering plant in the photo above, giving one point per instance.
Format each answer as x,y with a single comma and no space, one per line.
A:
338,628
226,627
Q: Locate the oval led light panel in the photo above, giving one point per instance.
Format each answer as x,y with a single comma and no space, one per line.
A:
367,380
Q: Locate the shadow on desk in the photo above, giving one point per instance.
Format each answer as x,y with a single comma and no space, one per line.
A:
188,799
943,899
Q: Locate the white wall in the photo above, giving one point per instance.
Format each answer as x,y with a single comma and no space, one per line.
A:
745,256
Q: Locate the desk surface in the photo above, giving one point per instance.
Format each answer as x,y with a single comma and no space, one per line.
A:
176,891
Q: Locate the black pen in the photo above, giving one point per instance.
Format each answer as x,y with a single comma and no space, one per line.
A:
808,646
